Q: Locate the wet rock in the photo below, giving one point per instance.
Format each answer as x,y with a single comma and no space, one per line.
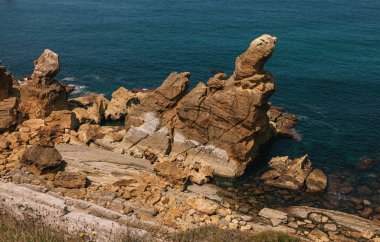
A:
283,123
45,159
366,163
316,181
287,173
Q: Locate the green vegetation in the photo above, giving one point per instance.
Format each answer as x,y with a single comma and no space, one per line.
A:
28,231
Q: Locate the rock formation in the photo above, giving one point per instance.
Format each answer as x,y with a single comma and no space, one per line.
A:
9,115
122,100
294,174
42,94
220,125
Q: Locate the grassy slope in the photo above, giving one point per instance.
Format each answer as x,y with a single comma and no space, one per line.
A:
15,231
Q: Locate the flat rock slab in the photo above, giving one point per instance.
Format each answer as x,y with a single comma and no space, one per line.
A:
344,219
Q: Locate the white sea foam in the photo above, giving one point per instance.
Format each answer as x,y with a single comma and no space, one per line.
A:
69,79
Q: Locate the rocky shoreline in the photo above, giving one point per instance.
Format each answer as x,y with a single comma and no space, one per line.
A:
60,163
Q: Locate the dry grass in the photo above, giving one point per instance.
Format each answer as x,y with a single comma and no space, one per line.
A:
28,231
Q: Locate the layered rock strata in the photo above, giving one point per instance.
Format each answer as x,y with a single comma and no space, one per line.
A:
220,124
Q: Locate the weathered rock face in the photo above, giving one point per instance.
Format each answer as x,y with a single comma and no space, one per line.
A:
45,159
221,125
65,119
121,101
9,115
293,174
283,123
5,83
90,108
43,95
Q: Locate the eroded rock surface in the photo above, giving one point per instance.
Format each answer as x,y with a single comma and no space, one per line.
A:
294,174
42,95
220,125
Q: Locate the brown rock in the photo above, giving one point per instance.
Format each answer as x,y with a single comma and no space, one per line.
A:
43,95
70,180
366,163
45,159
121,101
65,119
366,213
287,173
6,81
9,115
90,108
33,124
316,181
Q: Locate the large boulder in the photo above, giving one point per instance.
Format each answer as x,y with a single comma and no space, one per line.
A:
42,95
316,181
220,125
44,159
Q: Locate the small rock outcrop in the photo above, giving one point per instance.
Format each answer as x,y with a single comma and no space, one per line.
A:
42,95
293,174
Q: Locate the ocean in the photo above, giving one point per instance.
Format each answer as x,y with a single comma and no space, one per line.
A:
326,63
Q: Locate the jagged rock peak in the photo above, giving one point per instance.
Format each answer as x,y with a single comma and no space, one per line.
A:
252,61
46,67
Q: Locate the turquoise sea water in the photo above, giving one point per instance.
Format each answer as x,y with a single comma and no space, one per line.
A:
327,61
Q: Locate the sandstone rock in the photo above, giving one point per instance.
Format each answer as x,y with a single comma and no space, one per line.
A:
90,108
316,181
121,101
6,81
273,214
33,124
221,125
45,159
70,180
283,123
318,235
202,205
287,173
9,115
46,67
43,95
65,119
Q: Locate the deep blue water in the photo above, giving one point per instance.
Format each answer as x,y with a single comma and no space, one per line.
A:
327,61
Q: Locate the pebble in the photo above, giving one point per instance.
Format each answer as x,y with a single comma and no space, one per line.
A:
191,212
235,221
366,202
228,218
330,227
325,219
246,218
242,223
368,234
308,221
293,225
